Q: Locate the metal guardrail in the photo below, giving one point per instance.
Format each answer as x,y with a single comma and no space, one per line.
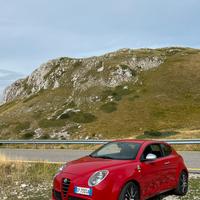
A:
176,142
53,141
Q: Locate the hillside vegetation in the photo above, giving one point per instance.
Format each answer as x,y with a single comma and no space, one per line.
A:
121,94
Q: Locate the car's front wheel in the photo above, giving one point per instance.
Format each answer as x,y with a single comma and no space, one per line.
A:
130,192
182,187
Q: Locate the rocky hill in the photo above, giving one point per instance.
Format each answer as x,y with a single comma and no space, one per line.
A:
122,93
110,70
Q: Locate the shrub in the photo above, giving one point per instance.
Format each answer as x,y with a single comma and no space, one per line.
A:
65,115
78,117
28,135
45,136
109,107
121,91
81,117
152,133
155,134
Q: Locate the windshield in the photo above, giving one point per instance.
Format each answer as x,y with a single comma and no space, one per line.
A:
117,151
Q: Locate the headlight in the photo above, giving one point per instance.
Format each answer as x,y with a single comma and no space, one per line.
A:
97,177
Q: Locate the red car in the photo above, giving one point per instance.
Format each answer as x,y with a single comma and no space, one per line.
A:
123,170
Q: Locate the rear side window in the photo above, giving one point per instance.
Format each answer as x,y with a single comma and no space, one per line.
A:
167,150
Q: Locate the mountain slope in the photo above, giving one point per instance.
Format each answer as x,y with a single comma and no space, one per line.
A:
119,94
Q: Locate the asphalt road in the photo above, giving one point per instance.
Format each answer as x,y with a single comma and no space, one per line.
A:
192,158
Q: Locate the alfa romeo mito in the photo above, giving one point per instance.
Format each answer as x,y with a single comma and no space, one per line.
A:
123,170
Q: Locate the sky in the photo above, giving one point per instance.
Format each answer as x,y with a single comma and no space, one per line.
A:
34,31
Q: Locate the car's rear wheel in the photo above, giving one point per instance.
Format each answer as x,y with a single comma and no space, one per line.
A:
130,192
182,187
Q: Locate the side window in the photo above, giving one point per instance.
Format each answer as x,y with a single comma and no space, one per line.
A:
154,149
167,150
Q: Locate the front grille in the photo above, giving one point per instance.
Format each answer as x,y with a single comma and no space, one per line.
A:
75,198
57,195
65,186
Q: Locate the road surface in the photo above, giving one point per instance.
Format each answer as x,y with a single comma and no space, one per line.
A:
192,158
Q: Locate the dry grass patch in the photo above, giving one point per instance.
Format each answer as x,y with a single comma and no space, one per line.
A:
19,180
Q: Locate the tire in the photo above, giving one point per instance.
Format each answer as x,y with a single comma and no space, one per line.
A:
130,192
156,198
182,187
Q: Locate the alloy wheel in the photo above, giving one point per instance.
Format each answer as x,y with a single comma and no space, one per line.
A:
131,193
183,183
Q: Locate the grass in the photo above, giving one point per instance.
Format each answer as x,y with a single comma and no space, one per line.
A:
109,107
45,123
194,192
26,180
30,98
162,104
22,126
33,181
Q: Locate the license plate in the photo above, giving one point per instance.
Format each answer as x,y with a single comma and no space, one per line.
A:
82,190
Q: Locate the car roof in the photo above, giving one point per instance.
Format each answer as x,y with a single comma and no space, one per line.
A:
139,141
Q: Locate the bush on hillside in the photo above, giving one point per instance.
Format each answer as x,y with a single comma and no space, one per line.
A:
78,117
81,117
153,133
28,135
109,107
45,136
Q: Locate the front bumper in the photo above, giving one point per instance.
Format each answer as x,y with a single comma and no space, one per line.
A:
58,196
102,191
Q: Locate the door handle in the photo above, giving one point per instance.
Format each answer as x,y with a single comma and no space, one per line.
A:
167,163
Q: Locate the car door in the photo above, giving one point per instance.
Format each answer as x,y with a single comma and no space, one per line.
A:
152,171
170,167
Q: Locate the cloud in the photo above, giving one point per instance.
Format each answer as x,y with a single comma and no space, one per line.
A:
6,75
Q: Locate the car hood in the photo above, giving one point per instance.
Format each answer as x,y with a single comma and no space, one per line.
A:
89,164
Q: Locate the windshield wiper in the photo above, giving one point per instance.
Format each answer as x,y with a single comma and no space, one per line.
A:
104,157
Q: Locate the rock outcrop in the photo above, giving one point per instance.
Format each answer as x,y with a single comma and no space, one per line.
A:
109,70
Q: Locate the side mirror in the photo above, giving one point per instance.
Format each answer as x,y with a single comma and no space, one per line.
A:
150,157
